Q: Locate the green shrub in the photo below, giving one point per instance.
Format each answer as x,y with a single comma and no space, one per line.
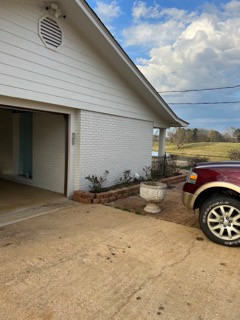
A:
126,178
171,168
234,154
197,159
147,173
97,181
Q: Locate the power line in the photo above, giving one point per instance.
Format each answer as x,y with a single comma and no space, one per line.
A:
195,90
218,102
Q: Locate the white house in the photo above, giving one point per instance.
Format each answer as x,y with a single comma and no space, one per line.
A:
72,103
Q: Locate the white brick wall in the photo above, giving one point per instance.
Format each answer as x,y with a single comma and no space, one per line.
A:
48,151
6,142
111,143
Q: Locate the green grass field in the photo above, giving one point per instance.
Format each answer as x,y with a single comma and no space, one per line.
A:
213,150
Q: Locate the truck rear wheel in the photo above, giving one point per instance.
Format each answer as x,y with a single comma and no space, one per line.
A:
219,219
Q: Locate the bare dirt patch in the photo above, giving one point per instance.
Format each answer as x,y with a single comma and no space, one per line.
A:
172,208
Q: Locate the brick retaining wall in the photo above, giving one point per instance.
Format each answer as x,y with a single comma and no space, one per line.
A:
112,195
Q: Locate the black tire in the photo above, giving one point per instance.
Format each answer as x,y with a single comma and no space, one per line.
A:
220,221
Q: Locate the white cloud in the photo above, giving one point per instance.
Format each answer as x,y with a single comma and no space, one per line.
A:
153,33
150,34
184,50
107,11
189,50
232,8
140,10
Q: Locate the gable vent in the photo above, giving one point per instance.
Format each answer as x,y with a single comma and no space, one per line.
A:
50,33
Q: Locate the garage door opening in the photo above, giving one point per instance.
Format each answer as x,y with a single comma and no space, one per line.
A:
33,150
16,196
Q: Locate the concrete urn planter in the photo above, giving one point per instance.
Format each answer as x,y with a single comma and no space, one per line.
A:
154,193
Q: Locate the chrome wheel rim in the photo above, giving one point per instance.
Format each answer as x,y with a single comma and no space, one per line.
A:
224,222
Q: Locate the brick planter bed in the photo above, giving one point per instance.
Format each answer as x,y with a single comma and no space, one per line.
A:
112,195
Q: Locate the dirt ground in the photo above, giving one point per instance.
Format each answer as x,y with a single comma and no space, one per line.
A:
172,208
93,262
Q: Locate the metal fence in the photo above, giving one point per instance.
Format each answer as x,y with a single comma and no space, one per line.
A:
164,166
189,156
169,165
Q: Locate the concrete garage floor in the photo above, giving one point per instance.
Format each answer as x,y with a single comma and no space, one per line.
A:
91,262
14,196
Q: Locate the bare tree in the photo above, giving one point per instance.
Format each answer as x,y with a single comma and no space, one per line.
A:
178,137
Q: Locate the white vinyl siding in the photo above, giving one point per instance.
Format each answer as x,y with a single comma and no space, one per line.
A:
75,76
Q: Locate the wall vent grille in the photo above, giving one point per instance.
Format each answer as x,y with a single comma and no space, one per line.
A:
50,33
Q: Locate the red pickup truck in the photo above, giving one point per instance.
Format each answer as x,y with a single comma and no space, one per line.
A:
214,189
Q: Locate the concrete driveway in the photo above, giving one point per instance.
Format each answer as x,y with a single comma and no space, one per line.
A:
96,262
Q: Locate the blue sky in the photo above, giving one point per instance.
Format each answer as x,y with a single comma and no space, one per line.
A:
183,44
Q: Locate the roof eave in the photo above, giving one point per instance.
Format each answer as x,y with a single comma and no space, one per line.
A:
155,97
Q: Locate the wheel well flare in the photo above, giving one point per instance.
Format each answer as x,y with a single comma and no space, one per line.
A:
214,191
